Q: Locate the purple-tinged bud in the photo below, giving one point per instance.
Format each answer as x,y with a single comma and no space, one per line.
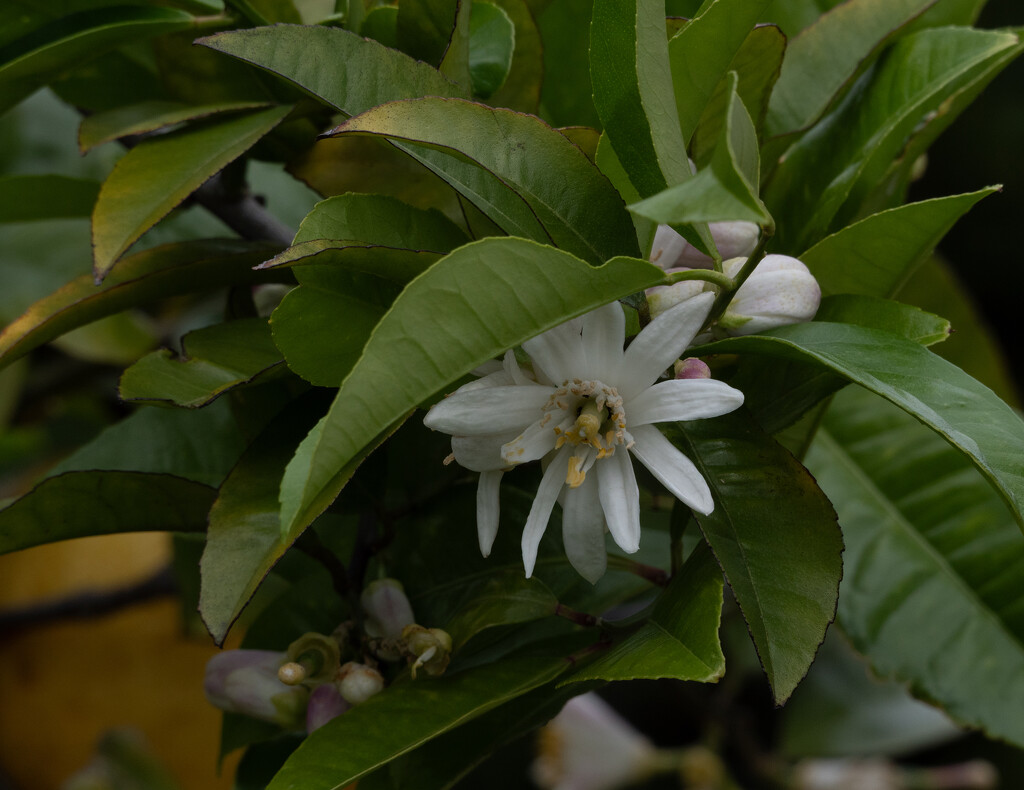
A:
358,682
387,608
733,239
781,290
691,368
325,703
245,681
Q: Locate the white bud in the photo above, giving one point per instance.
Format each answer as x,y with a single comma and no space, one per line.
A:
245,681
358,682
387,608
733,239
663,297
781,290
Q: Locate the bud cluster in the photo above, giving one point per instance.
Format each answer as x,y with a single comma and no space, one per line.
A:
320,677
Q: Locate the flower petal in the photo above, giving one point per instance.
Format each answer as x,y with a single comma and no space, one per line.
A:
558,351
620,499
547,493
682,399
487,509
661,343
481,453
538,440
491,410
672,468
604,332
583,529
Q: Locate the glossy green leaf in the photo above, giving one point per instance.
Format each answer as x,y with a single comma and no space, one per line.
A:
828,55
380,220
794,15
701,53
492,40
679,640
967,414
757,65
144,277
323,325
381,24
608,163
878,254
395,264
406,715
565,33
200,445
244,538
724,190
347,71
632,81
902,320
500,598
78,504
36,58
950,12
158,174
843,710
933,559
411,356
32,197
455,63
856,143
425,28
783,562
213,360
522,87
146,117
580,212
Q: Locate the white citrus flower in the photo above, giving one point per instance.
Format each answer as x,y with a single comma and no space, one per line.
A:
733,239
587,403
588,746
780,291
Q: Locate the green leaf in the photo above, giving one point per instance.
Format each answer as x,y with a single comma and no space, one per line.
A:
701,54
425,28
757,65
380,220
381,24
396,264
878,254
199,445
942,396
568,100
347,71
855,144
406,715
828,55
902,320
492,40
144,277
38,57
579,211
495,294
213,361
724,190
783,563
158,174
323,325
501,598
146,117
78,504
244,538
933,560
632,80
522,87
455,63
31,197
679,640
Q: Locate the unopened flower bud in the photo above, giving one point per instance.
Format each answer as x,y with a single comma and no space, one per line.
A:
662,297
358,682
387,608
432,648
325,703
733,239
245,681
691,368
781,290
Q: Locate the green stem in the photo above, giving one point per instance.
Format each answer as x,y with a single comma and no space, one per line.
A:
649,572
725,296
718,278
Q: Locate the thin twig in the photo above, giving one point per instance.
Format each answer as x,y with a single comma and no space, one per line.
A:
242,212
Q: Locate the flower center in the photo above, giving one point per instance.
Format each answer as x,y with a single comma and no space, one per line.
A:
599,426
